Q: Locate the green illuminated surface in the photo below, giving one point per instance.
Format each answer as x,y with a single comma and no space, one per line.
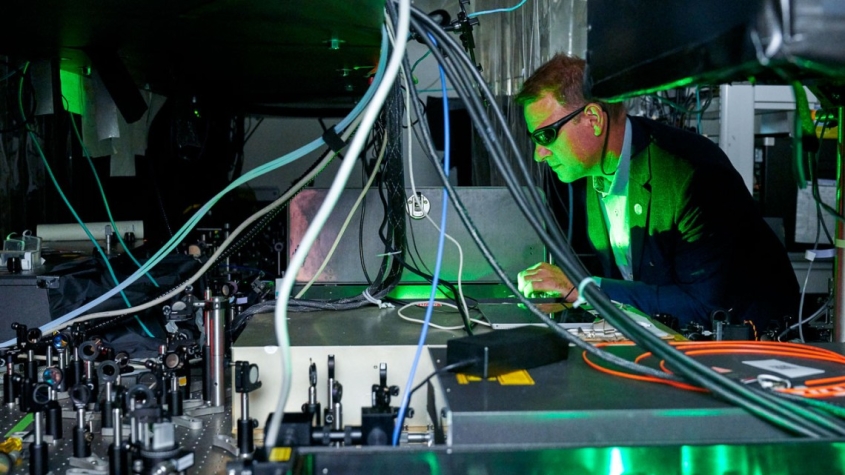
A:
415,292
616,466
667,413
72,91
433,465
750,459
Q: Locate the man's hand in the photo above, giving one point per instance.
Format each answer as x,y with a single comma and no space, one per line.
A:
546,280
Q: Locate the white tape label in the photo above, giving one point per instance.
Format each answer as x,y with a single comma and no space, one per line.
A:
787,369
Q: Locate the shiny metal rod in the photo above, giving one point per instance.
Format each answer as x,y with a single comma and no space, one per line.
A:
215,329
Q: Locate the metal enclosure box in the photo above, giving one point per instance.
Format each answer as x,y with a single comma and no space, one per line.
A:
492,210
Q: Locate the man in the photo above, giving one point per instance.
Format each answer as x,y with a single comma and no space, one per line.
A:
671,220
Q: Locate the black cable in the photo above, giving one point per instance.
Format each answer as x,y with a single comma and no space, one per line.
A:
159,199
497,152
366,171
461,81
818,404
716,383
252,131
414,122
445,369
456,293
782,415
814,180
485,250
383,225
361,243
390,270
815,189
417,252
265,220
380,276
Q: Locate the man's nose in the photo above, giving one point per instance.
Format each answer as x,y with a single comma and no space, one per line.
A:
541,154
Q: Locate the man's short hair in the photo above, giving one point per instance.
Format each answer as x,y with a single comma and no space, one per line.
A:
563,77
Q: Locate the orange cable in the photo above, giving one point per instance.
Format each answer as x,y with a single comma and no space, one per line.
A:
813,382
819,388
639,377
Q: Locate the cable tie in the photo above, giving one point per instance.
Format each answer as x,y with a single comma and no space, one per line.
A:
376,301
580,300
333,140
811,255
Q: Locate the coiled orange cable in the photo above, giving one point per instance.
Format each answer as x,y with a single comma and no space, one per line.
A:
813,388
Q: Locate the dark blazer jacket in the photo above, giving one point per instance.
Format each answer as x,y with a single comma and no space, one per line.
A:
698,241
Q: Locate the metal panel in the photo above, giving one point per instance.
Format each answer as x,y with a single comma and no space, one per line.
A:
749,459
24,300
360,339
736,133
571,404
207,459
496,216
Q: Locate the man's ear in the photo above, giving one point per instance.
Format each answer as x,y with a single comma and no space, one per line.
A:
596,117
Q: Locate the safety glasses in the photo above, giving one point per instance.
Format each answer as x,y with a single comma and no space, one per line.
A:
544,136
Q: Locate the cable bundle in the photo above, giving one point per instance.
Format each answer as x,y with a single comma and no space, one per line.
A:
469,84
816,388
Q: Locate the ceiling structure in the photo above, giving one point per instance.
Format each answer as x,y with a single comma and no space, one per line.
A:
253,52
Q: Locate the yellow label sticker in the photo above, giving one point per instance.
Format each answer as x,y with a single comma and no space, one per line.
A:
516,378
280,454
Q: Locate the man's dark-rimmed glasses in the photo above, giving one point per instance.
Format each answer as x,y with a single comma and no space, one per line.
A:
545,136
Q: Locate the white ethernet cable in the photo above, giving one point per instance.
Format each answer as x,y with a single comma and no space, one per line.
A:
460,263
225,244
258,171
340,233
414,195
400,311
410,132
369,117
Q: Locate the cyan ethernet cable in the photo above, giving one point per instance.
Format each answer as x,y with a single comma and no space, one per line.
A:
498,10
103,194
212,260
258,171
67,202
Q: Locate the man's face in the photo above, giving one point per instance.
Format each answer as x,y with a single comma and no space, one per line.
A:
571,154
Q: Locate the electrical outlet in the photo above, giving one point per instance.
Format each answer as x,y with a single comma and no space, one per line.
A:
418,206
